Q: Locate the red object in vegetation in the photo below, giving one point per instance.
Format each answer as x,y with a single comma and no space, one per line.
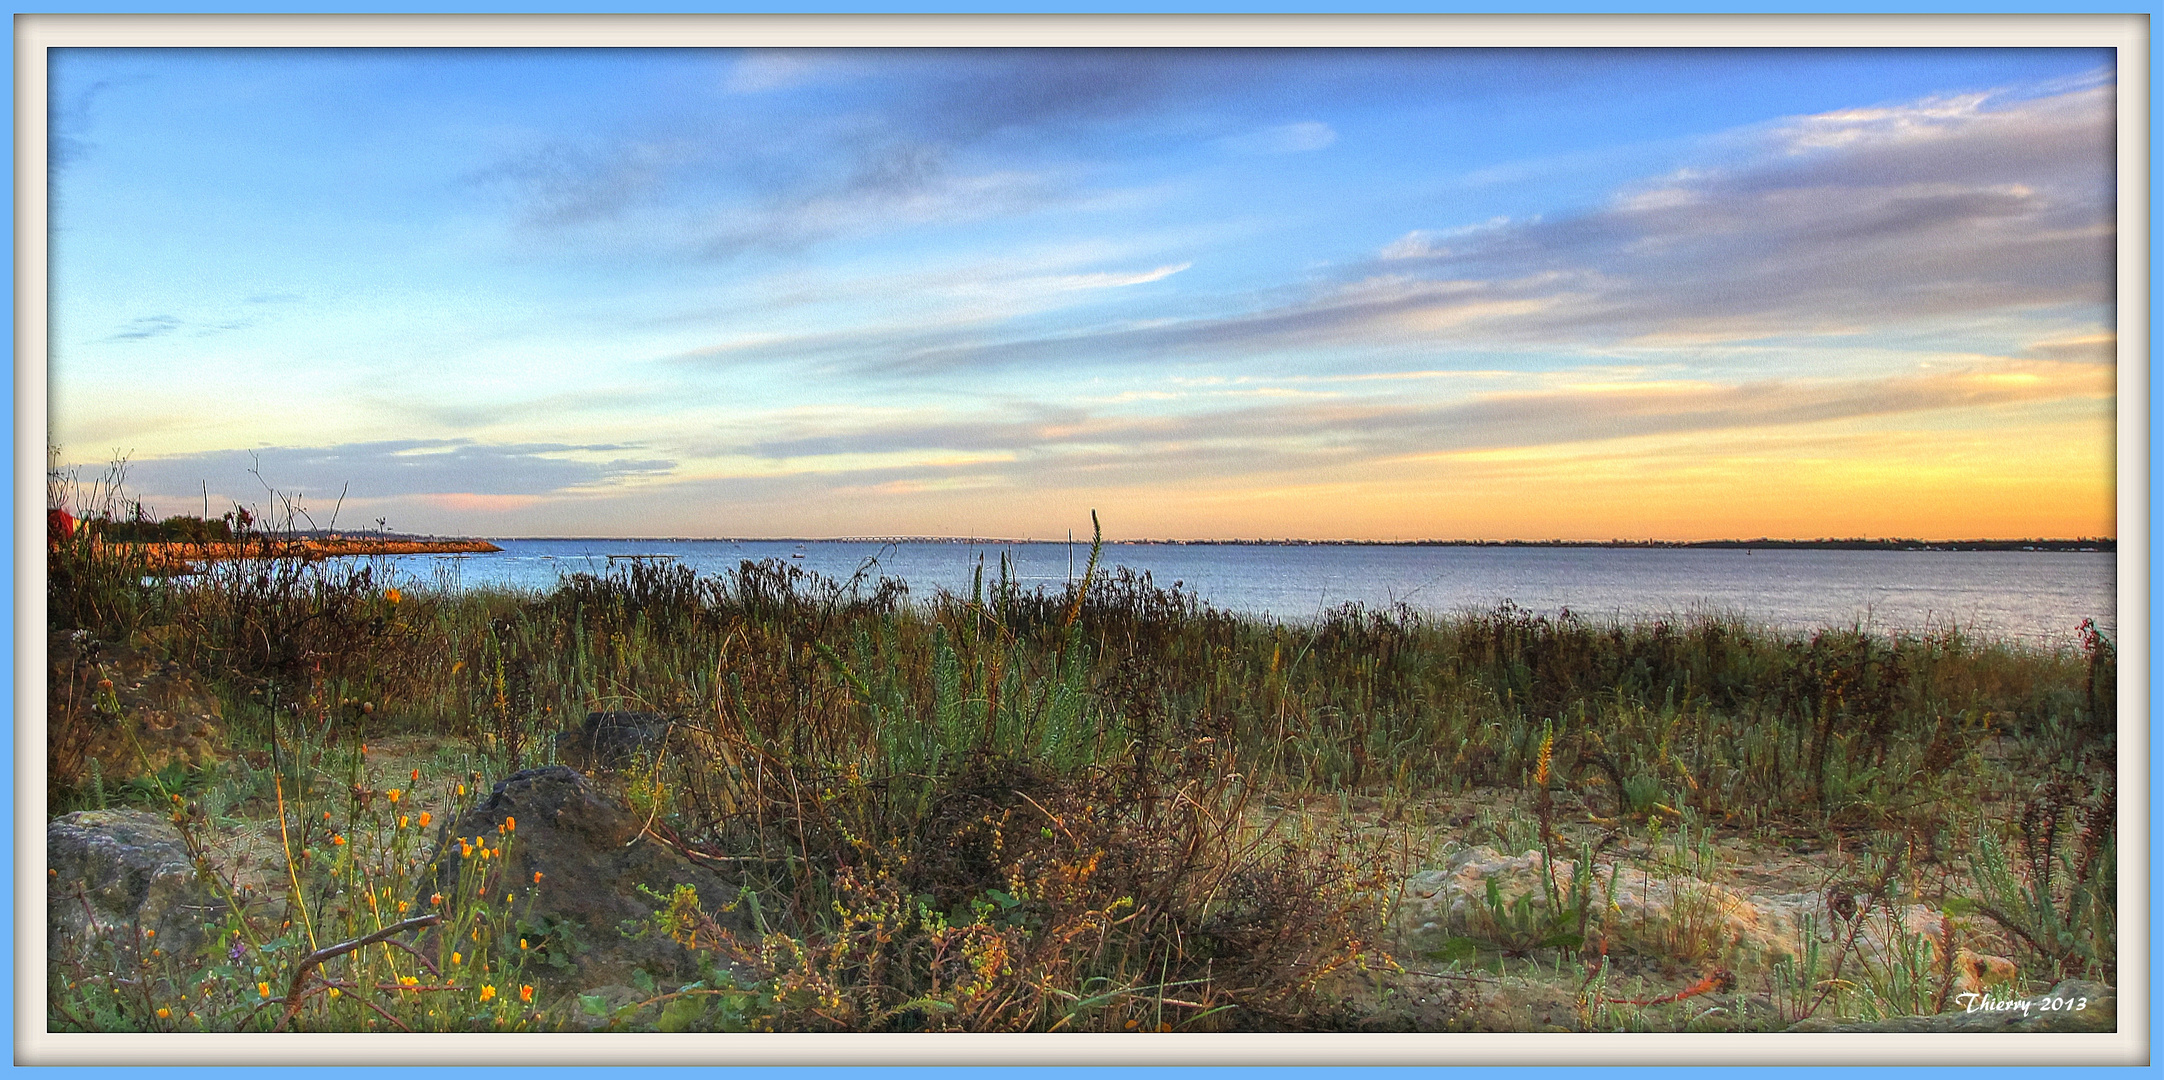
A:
59,525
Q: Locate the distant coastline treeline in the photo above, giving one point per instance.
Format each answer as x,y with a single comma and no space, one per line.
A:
2107,544
1822,544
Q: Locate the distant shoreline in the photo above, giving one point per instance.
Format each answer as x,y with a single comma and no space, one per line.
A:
177,553
2086,544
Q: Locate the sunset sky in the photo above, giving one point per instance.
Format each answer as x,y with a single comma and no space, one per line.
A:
1532,294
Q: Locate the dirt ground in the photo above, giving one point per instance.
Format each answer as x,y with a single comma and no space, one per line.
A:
1399,991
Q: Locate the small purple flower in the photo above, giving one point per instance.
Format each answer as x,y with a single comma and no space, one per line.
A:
239,949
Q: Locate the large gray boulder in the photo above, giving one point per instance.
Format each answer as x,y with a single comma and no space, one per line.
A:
114,874
589,921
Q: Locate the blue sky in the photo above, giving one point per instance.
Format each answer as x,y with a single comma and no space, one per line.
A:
1209,293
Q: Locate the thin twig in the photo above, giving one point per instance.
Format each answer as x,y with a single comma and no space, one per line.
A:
417,955
294,995
387,1016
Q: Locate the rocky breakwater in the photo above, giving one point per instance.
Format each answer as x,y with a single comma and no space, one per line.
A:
182,556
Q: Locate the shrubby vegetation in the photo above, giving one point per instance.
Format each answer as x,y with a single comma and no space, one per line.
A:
1040,810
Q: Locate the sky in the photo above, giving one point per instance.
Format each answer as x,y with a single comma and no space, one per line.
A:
1209,294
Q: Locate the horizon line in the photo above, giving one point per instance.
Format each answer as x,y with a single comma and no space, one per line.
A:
1416,541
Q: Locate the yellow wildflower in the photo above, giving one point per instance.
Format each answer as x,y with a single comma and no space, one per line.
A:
262,989
457,958
424,819
165,1013
487,992
392,794
404,821
392,595
525,992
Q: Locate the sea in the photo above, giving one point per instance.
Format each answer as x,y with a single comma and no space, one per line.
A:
2037,597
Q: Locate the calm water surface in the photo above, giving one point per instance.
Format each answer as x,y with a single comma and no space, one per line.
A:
2039,596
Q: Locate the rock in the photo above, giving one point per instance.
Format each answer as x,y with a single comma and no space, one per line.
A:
612,739
123,876
2075,1005
592,858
